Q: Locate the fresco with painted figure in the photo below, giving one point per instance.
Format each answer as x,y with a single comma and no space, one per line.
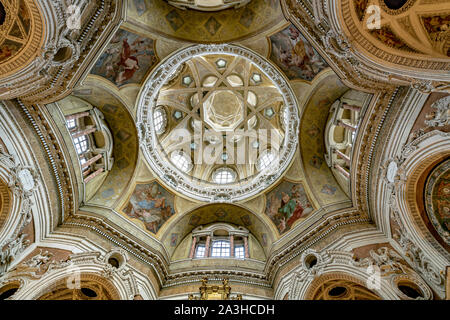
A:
127,59
152,204
295,55
287,203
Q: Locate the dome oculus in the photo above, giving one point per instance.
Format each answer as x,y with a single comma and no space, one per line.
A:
223,93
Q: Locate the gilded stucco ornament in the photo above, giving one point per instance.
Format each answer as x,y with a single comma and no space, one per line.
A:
23,181
13,249
415,256
384,258
441,116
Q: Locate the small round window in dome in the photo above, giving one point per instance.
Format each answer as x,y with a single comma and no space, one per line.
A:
221,63
224,175
160,120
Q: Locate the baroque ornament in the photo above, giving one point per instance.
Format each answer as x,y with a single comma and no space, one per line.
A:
222,110
23,180
441,116
415,256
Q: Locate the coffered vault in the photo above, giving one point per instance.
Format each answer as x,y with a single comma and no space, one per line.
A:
279,144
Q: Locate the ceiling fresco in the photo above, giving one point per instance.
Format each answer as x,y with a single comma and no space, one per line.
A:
127,59
286,204
157,16
294,55
151,204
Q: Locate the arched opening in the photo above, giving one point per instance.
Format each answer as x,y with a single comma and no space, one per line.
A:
411,290
310,261
89,287
339,286
395,4
8,290
63,54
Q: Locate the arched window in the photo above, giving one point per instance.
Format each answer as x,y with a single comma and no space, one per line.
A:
220,249
81,144
160,120
224,175
219,241
181,160
265,160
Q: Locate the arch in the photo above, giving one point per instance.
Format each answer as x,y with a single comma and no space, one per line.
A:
90,287
339,286
312,147
183,225
429,150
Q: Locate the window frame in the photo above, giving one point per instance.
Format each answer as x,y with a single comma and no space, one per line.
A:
221,170
221,248
78,144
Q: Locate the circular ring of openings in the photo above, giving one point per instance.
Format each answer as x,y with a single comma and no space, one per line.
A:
410,289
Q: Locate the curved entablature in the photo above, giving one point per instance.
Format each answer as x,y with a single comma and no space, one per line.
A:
210,120
92,141
408,41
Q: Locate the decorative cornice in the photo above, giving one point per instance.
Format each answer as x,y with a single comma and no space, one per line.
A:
56,159
173,177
